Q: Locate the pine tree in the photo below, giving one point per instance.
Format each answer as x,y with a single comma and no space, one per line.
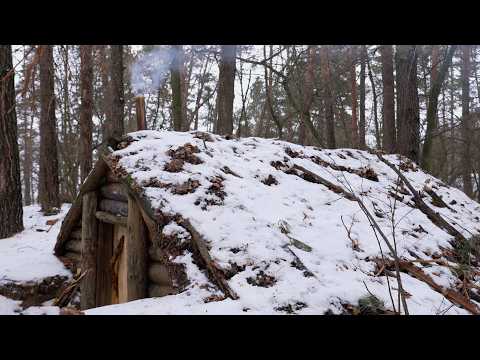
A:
48,191
11,211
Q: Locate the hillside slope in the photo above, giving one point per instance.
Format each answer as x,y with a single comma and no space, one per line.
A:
282,223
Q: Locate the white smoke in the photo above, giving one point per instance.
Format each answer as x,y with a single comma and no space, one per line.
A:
151,69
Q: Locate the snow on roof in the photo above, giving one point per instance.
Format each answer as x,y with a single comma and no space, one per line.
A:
290,245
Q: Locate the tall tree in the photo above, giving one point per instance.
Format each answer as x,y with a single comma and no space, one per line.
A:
11,211
466,122
388,104
177,76
48,191
225,95
375,105
361,125
114,126
86,109
408,113
328,96
353,83
436,86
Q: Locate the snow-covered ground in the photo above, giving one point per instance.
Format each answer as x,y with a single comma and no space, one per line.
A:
28,256
297,246
258,227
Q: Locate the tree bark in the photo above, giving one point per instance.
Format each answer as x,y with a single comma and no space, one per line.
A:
361,125
388,108
353,82
437,82
375,106
89,250
328,96
86,110
466,125
48,191
114,126
408,133
225,95
11,211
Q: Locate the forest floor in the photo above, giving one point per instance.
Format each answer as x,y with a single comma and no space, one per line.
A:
27,258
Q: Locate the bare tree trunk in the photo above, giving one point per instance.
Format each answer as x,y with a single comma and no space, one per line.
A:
388,108
86,110
408,133
225,95
329,101
177,73
11,211
435,88
353,82
361,130
268,92
466,122
48,180
27,162
115,124
103,66
375,105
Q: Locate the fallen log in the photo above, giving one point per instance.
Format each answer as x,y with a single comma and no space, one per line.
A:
110,218
114,191
114,207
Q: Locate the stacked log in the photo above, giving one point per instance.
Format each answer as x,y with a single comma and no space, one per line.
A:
160,283
73,246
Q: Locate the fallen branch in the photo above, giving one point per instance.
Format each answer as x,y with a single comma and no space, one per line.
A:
331,186
450,295
67,294
350,196
215,272
432,215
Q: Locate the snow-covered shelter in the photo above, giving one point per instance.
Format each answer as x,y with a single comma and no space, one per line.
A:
265,226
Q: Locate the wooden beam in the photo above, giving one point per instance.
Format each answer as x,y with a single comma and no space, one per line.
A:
110,218
104,270
89,251
115,191
74,214
114,207
136,252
